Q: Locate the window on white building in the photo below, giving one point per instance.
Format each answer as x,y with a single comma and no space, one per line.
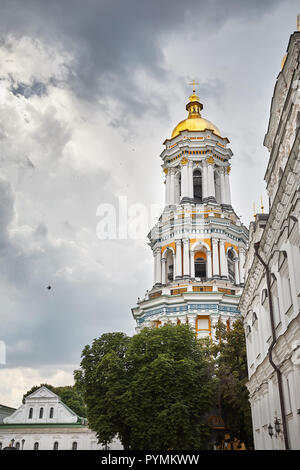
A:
41,413
197,183
230,263
74,445
51,412
275,301
36,446
283,269
30,413
55,445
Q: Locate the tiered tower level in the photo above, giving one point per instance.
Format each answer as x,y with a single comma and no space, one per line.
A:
199,243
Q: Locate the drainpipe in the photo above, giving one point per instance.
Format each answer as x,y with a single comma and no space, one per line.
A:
278,372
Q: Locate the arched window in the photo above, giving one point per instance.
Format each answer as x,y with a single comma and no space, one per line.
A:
36,446
41,413
30,413
230,263
170,266
74,446
254,318
55,445
264,296
197,183
17,446
200,265
51,412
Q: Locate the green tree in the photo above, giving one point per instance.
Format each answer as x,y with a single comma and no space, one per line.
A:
231,369
70,395
153,389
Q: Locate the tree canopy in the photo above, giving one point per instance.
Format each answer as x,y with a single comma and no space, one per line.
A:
152,390
231,370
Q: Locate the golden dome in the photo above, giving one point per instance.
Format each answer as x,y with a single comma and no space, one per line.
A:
194,124
194,121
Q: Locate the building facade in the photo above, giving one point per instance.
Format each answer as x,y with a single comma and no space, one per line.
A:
199,243
5,411
271,298
44,422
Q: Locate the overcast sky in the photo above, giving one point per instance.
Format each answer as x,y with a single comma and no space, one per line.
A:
88,93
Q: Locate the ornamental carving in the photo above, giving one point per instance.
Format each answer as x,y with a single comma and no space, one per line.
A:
228,169
166,171
210,160
184,161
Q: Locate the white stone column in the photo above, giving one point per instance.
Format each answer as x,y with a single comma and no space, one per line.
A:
223,260
204,180
164,271
216,270
186,258
177,189
208,265
174,266
178,260
222,186
227,186
172,186
192,264
155,267
242,263
184,182
167,193
236,271
190,179
158,266
211,181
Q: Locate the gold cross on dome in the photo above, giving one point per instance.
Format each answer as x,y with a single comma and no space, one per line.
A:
193,83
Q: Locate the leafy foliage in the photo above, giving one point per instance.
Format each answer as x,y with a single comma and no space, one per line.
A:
231,367
153,390
70,395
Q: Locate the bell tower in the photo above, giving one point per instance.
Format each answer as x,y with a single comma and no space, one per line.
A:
199,243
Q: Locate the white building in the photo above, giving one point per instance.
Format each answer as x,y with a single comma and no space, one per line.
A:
44,422
199,243
271,298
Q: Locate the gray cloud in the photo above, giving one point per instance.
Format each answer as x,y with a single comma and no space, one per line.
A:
111,41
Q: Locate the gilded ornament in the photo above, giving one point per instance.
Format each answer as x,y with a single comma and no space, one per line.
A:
210,160
166,171
184,161
228,169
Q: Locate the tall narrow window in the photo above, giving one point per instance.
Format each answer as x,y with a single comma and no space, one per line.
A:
170,266
51,412
41,413
30,413
74,446
55,445
230,263
197,183
200,265
17,445
36,446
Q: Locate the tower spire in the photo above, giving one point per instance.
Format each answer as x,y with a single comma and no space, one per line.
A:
194,106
